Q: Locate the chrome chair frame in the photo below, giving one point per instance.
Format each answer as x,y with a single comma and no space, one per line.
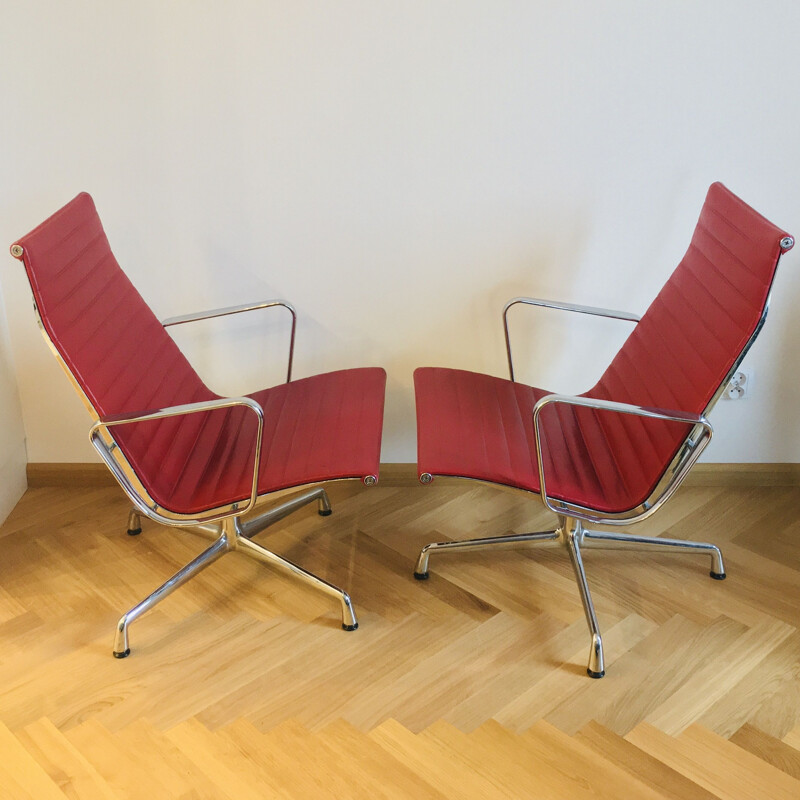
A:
224,524
570,532
229,310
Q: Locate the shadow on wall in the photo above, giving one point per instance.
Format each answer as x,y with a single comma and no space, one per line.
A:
13,459
785,397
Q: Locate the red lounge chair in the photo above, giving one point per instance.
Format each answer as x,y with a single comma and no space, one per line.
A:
185,456
615,454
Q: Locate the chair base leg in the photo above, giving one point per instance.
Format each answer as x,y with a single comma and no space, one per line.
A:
494,543
628,541
206,558
572,538
254,525
572,535
230,535
134,523
259,553
595,674
596,660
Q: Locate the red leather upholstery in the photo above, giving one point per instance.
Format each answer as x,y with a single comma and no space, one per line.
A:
676,358
320,428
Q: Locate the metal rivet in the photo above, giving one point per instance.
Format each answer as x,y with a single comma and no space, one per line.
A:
425,478
787,242
16,250
370,480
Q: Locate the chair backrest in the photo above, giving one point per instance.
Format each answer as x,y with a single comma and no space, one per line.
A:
110,341
698,328
114,346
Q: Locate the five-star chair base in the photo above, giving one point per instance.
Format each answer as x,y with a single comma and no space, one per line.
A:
574,537
229,535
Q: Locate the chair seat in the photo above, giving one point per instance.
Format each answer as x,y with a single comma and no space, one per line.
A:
316,429
477,426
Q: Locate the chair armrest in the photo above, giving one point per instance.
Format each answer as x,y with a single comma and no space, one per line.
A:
535,301
622,408
228,310
190,408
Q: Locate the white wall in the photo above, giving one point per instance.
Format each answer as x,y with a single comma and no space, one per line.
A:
12,433
397,171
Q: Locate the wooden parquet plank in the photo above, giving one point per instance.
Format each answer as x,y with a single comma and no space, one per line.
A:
651,672
12,789
339,689
533,657
454,773
793,738
272,758
156,752
63,762
221,762
740,762
669,783
382,575
503,757
781,755
780,545
766,679
442,679
654,586
780,713
318,679
118,767
585,765
333,776
715,679
513,583
767,585
379,774
52,509
10,607
724,769
725,513
212,663
378,699
545,695
21,774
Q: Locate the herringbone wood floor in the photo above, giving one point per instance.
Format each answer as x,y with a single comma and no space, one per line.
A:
471,684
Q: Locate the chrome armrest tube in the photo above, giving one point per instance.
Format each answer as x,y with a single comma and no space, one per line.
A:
228,310
535,301
680,466
106,452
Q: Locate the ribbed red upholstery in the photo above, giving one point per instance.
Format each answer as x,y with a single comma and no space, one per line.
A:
676,358
316,429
